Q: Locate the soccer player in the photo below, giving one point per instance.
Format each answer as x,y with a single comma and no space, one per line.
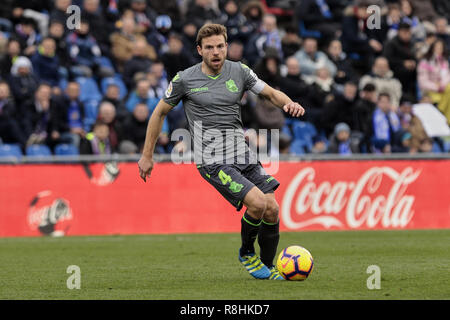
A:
211,92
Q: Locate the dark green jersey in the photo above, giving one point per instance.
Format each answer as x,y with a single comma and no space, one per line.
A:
212,106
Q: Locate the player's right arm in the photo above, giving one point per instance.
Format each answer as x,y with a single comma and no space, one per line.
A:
154,128
173,95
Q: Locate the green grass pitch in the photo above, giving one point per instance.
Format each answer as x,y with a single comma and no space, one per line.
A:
414,265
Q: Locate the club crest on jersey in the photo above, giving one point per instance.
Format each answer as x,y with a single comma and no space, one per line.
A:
169,90
231,86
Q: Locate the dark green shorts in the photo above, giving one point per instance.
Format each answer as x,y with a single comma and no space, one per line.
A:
234,181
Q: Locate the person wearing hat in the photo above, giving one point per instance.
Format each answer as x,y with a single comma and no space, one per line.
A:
341,141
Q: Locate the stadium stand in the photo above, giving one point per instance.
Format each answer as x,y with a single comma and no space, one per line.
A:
122,46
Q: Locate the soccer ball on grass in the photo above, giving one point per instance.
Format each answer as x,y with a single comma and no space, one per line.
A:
295,263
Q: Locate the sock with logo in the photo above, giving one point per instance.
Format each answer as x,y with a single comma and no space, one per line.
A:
249,231
268,237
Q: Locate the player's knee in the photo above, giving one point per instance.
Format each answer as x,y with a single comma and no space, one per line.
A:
258,207
271,213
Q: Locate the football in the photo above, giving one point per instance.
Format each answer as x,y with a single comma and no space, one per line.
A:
295,263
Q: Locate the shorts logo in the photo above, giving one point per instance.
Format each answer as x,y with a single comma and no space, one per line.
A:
169,90
231,86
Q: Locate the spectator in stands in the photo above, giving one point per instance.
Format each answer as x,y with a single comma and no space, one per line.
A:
386,125
268,68
235,51
318,15
67,116
409,16
135,128
420,141
202,11
23,81
35,116
107,115
320,91
441,25
291,42
357,38
56,32
159,82
46,62
85,53
141,95
6,61
383,79
253,12
434,75
402,58
424,10
344,69
311,60
362,116
158,37
143,15
233,20
340,109
100,29
112,95
341,141
143,54
267,36
25,32
176,59
59,12
10,131
122,42
293,84
189,35
97,141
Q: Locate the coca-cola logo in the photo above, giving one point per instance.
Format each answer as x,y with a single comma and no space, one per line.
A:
377,199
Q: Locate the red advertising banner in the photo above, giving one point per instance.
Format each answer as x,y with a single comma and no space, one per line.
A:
110,198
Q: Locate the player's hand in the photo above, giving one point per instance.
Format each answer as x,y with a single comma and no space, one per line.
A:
145,167
294,109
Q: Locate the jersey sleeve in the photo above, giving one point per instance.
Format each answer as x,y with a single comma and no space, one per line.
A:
175,91
251,80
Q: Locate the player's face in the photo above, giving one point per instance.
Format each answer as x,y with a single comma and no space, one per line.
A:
213,52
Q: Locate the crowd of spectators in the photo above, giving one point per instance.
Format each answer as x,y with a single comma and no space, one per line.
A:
95,86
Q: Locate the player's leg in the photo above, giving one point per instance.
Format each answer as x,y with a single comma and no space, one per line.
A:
251,221
255,201
269,232
269,235
239,191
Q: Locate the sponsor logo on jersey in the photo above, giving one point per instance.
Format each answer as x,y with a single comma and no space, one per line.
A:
199,89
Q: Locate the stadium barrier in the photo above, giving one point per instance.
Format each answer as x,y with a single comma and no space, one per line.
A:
104,195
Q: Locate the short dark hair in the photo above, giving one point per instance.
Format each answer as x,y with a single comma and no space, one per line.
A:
211,29
384,94
369,87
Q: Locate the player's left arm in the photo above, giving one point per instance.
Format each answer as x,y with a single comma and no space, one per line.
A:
281,100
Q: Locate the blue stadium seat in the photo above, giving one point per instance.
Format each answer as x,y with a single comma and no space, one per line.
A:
10,150
305,132
90,114
88,89
117,80
38,150
297,147
65,149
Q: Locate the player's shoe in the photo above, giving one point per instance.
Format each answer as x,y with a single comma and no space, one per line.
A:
252,263
275,274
